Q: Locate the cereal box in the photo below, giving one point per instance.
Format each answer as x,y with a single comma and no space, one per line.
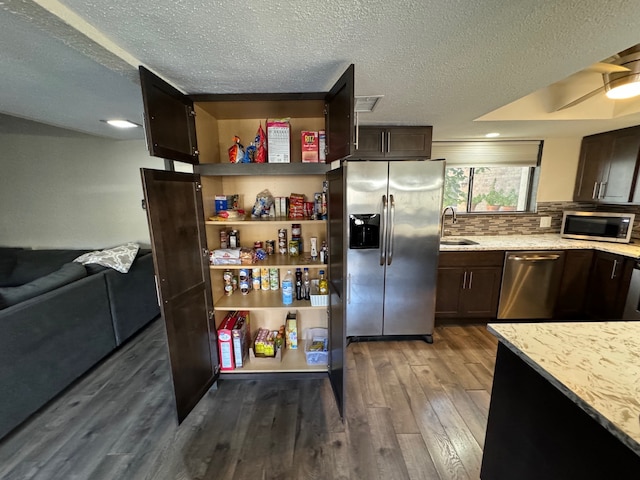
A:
278,141
240,336
225,341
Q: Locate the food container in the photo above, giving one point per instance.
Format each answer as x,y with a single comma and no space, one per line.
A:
317,300
314,338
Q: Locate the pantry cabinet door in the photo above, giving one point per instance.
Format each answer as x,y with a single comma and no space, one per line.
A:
176,224
337,293
170,125
339,121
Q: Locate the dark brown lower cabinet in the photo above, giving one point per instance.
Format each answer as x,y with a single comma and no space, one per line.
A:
468,284
574,284
608,286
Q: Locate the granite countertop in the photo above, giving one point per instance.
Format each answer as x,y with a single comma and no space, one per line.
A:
539,242
595,364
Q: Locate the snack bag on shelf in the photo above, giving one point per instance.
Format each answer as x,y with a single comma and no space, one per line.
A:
249,154
261,208
296,205
236,151
261,146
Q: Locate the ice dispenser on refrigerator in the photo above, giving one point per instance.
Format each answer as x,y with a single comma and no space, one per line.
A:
364,230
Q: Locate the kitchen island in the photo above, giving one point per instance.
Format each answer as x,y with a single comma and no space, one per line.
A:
565,402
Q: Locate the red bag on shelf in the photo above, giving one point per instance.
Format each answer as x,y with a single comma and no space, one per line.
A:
261,146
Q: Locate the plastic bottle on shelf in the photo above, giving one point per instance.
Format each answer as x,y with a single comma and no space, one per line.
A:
306,284
287,289
323,285
299,287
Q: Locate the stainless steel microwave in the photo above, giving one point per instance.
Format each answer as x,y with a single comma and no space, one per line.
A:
601,226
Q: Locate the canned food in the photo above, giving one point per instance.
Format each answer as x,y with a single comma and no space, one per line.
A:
227,276
243,273
245,286
296,230
264,279
271,247
283,245
274,278
294,248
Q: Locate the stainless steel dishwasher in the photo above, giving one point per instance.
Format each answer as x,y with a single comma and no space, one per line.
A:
530,283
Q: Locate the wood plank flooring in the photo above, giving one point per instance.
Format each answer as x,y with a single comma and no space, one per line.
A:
414,411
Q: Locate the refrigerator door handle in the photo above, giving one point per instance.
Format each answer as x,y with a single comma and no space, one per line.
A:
392,218
348,288
383,233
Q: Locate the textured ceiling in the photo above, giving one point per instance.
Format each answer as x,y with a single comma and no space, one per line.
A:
438,62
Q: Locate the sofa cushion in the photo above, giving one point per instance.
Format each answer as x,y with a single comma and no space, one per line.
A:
68,273
119,258
33,264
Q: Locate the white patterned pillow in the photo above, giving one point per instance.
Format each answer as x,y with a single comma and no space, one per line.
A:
119,258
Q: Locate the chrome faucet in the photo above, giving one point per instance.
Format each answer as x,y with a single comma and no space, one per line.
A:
454,219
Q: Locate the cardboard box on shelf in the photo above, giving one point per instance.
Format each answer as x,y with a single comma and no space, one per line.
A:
291,331
279,141
240,337
225,341
322,145
310,147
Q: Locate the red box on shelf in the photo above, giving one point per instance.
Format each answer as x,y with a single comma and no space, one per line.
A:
225,341
310,147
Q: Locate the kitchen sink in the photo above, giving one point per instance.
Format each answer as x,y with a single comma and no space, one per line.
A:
457,241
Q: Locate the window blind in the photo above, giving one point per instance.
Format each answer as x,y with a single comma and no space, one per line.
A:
488,154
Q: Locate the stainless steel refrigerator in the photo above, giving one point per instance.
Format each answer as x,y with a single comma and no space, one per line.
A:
392,225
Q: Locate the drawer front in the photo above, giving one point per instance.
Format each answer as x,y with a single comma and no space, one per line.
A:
493,258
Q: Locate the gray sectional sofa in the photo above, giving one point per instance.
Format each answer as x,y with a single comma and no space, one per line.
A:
59,318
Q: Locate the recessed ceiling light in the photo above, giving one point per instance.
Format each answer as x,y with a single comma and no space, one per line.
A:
121,123
492,135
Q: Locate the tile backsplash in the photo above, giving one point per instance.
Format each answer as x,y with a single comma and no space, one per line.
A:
529,223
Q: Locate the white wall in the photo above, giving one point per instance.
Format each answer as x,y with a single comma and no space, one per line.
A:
72,191
559,167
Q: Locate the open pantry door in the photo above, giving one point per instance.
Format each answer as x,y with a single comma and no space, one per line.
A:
169,120
337,286
339,121
181,260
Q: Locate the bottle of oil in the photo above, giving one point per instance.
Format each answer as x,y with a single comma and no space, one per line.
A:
323,285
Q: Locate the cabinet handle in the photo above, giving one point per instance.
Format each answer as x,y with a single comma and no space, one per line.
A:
595,190
464,281
470,279
382,147
388,142
602,190
613,270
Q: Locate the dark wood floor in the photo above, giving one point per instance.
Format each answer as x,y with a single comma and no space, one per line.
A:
415,411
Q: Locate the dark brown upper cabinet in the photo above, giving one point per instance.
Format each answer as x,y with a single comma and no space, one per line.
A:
199,129
394,142
608,167
169,120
